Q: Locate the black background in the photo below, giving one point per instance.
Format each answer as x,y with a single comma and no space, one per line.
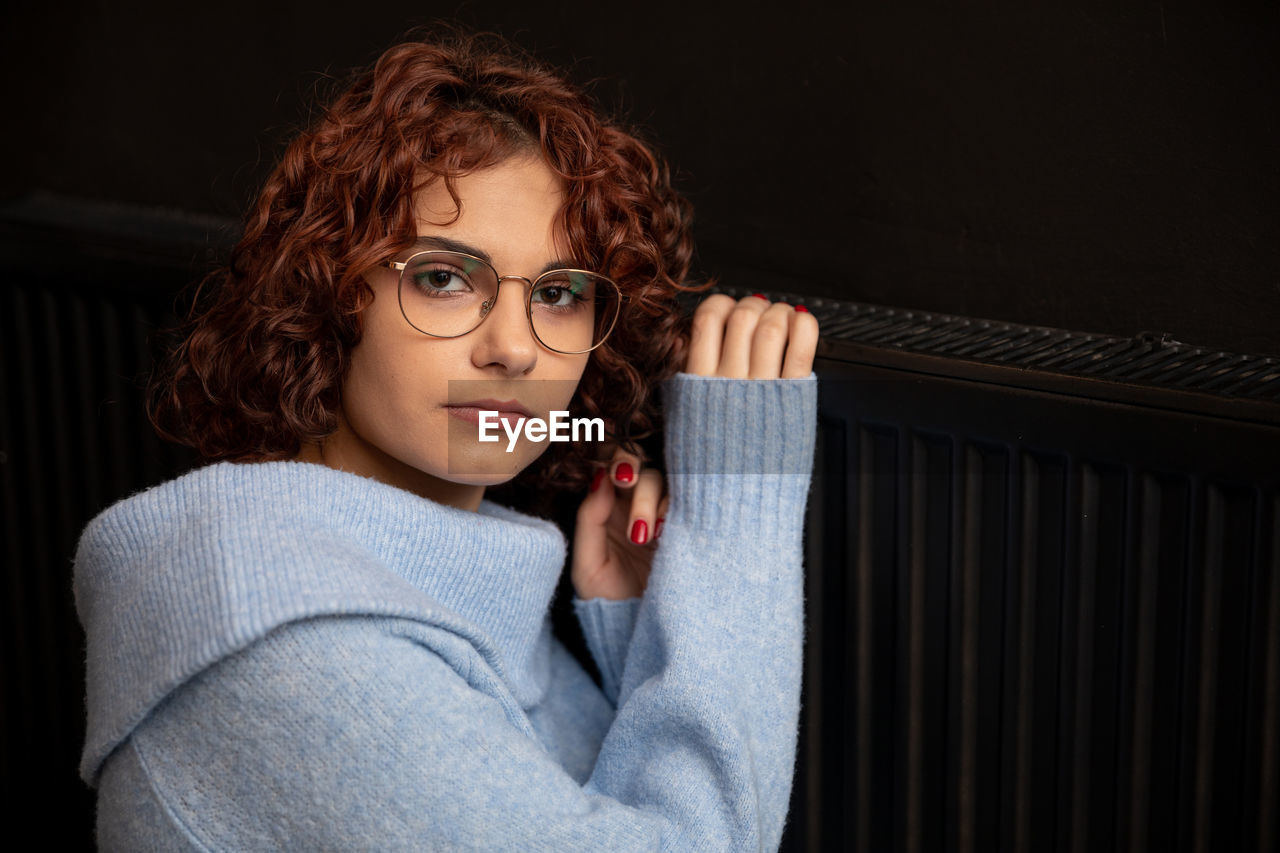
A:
1102,166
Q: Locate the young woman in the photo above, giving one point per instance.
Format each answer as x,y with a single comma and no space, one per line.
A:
328,637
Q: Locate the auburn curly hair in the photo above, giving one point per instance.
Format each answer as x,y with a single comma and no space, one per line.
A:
261,359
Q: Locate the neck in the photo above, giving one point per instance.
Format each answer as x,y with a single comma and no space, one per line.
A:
368,461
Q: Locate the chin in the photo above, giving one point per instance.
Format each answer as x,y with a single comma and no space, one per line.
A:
483,467
474,478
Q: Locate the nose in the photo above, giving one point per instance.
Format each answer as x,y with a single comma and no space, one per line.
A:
504,342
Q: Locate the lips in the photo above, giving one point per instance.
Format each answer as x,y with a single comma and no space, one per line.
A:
506,407
509,411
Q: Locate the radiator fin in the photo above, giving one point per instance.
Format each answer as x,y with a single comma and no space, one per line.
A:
70,442
1150,358
1105,677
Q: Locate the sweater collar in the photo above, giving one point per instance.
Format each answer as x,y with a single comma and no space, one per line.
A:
496,567
172,580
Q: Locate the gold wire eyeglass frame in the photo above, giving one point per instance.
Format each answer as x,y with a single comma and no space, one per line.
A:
488,305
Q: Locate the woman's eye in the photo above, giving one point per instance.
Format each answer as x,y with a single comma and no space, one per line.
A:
554,295
558,294
441,281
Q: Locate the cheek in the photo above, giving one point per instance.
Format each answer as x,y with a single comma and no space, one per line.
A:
560,383
570,370
363,395
378,392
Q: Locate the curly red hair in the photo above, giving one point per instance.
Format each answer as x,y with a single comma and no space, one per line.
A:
260,367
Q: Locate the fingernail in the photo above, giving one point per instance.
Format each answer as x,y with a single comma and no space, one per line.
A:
657,528
762,296
624,473
597,479
802,308
639,532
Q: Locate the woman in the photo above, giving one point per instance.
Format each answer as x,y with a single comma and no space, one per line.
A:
329,638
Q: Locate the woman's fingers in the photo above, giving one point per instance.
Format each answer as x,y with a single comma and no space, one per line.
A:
614,523
591,535
625,469
770,341
662,516
643,519
643,489
739,334
751,338
802,344
707,335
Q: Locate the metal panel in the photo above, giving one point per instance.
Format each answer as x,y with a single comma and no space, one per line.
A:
1039,620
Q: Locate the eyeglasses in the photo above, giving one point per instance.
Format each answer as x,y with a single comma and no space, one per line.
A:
448,294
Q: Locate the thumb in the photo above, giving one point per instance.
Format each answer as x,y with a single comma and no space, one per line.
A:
590,538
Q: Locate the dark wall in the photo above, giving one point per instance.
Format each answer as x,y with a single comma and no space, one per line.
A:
1108,167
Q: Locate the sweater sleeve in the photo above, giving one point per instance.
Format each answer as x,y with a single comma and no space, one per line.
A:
349,732
607,626
713,671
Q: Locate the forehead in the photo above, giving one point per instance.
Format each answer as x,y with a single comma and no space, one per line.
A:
511,210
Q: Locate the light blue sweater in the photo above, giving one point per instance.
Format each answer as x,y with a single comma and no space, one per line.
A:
283,656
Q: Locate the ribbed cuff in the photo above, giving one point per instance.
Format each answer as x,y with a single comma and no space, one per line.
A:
739,452
607,625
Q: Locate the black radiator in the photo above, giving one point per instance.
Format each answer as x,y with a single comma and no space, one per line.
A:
1043,603
1044,592
84,289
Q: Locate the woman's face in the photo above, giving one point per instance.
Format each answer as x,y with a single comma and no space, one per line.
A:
400,420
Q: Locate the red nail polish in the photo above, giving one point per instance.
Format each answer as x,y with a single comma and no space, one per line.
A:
639,532
802,308
624,474
597,479
657,528
762,296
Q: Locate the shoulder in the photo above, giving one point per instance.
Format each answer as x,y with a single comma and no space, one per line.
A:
226,502
178,577
249,543
291,735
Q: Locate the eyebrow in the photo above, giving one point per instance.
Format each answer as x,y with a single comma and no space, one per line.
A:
448,245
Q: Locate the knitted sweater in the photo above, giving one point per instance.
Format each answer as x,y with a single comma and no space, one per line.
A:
284,656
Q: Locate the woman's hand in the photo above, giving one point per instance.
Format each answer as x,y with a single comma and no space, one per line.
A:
617,527
621,518
752,338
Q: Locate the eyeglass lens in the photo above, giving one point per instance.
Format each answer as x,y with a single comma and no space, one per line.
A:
447,294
